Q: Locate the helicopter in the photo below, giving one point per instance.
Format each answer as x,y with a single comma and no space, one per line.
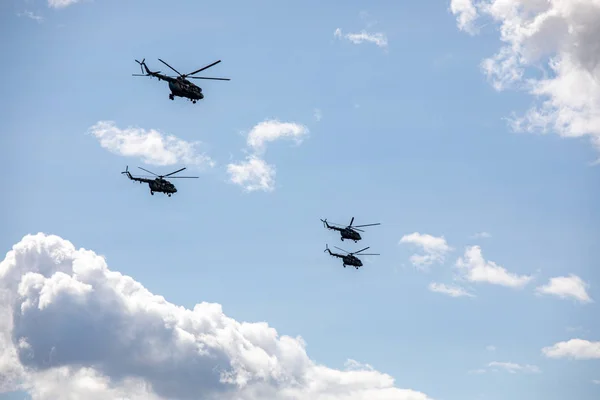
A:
158,184
348,232
180,86
350,258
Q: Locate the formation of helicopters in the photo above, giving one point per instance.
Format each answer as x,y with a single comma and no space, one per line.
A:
180,86
348,232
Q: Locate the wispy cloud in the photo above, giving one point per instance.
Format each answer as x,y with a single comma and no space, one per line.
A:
434,249
513,368
481,235
491,348
565,287
254,173
31,15
450,290
378,38
152,146
61,3
318,115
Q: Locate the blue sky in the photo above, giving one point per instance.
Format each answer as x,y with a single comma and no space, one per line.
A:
410,134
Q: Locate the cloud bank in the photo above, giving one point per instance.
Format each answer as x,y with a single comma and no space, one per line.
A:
151,146
71,328
550,49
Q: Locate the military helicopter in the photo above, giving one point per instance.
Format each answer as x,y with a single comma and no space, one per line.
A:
179,86
348,232
158,184
350,258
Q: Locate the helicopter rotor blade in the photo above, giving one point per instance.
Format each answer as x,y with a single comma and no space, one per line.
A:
214,79
356,229
351,221
356,252
369,254
179,170
341,249
379,223
177,177
203,68
140,75
148,171
178,73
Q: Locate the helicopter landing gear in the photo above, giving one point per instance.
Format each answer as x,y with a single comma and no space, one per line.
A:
152,193
344,265
193,101
171,96
169,194
342,239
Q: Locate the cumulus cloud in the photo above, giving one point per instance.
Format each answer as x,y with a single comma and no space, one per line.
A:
555,40
435,248
378,38
475,268
450,290
71,328
61,3
564,287
150,145
577,349
254,173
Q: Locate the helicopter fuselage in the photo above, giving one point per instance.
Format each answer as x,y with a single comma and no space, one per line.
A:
184,88
161,186
352,261
351,234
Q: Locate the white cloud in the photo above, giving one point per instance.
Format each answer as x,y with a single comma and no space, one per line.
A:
481,235
254,173
514,368
564,287
491,348
80,330
476,269
596,381
31,15
450,290
378,38
435,248
150,145
61,3
577,349
555,40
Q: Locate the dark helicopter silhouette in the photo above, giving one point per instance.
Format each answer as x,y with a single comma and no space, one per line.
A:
348,232
350,258
180,86
158,184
